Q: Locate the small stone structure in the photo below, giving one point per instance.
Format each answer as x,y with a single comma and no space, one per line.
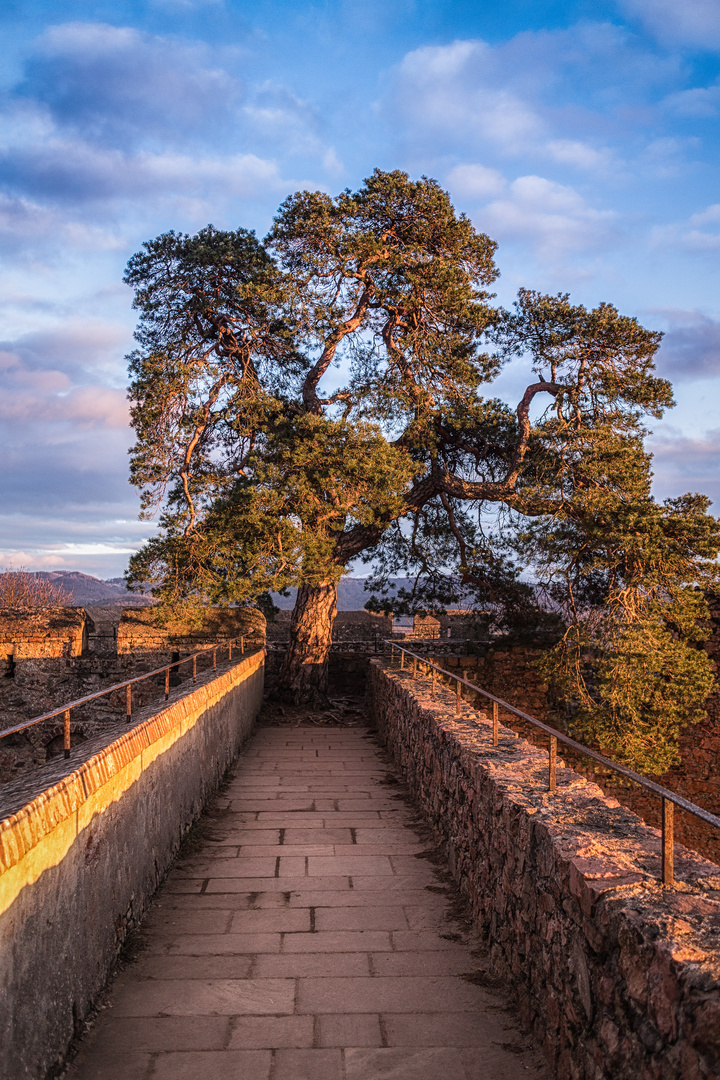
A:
81,859
42,633
425,626
618,976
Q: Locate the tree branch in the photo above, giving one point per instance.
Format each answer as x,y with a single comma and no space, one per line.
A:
438,482
309,392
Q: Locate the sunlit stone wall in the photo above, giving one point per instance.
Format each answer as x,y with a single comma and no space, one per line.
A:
618,976
80,861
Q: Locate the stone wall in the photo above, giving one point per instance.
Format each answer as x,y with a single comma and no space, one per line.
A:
508,672
80,861
31,633
141,632
34,685
618,976
348,626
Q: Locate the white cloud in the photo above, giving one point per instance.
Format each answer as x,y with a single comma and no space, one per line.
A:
690,348
119,83
82,348
695,234
332,163
552,217
35,395
698,103
451,89
475,181
683,22
686,463
709,216
581,155
26,225
556,93
102,559
74,170
82,407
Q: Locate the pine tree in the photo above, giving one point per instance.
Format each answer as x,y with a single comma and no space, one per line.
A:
267,480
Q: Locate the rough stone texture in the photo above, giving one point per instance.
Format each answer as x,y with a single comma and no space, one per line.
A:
39,684
308,934
140,632
79,863
618,976
42,632
348,626
508,672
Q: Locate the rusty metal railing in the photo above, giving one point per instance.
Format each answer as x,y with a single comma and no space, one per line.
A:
669,799
127,685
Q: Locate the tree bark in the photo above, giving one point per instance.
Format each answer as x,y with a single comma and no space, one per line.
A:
304,676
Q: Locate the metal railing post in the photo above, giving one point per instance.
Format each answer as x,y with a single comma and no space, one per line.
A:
214,659
402,659
229,650
195,668
458,697
495,723
414,667
668,843
167,683
433,682
66,733
552,765
242,645
128,703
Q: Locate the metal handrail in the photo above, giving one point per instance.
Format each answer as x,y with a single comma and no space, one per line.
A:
127,685
669,798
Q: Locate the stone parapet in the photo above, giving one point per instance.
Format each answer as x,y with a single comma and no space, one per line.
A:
80,861
141,631
617,975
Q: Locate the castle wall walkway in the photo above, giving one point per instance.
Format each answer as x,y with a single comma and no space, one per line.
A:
306,936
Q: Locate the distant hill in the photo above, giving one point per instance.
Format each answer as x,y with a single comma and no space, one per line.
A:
83,589
352,595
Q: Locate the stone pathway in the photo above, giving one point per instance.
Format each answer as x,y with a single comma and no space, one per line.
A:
301,938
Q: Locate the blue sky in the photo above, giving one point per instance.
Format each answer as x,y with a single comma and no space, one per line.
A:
581,136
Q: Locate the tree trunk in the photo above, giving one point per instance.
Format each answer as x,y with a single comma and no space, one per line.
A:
304,675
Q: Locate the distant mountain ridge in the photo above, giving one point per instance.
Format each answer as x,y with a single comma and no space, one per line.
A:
352,595
84,590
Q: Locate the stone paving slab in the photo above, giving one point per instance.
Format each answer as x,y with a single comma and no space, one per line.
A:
305,937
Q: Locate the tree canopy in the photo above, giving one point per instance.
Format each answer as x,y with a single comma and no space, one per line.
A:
323,397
